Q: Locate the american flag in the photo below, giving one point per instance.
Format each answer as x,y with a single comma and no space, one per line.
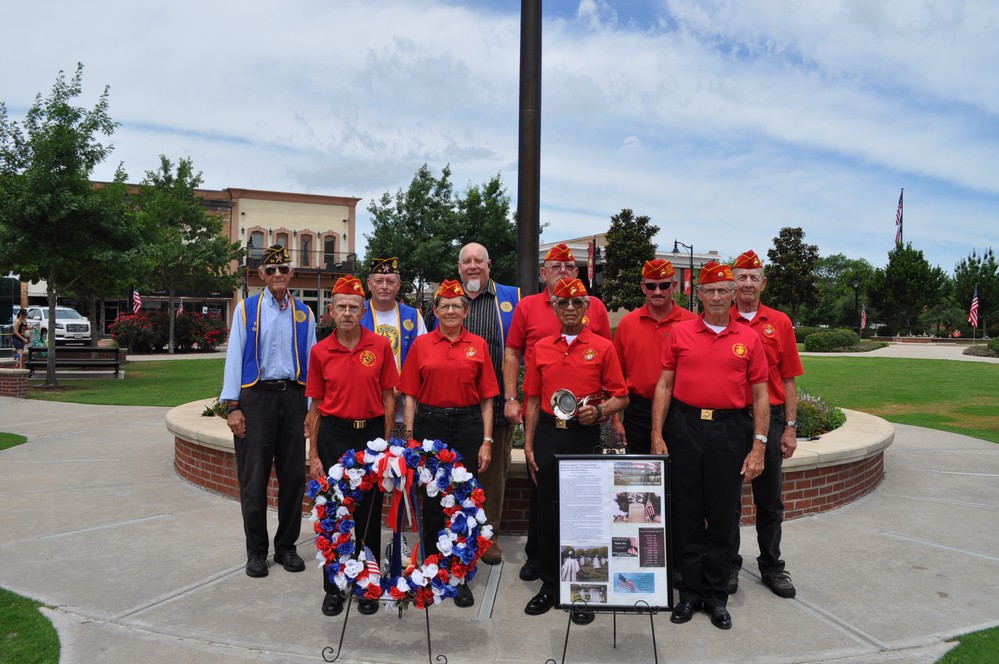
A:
626,583
686,286
973,314
863,318
370,563
898,219
136,302
650,510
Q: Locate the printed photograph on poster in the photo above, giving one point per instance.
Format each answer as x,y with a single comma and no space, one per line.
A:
624,547
651,547
637,507
591,593
581,563
642,473
632,583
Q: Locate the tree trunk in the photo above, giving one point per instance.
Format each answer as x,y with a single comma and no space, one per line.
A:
50,374
172,318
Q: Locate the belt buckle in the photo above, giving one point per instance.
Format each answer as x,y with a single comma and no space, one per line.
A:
561,424
281,385
707,414
360,424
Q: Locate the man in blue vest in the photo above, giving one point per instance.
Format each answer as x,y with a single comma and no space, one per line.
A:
490,312
266,368
386,317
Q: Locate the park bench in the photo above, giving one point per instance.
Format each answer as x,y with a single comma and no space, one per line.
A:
74,357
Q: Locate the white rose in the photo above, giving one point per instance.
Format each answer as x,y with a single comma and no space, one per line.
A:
480,515
460,475
487,532
336,472
428,446
448,501
320,500
418,578
378,445
425,476
444,545
430,571
353,568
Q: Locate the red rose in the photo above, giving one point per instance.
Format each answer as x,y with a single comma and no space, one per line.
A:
359,457
458,569
317,527
321,511
447,456
484,544
478,497
366,484
396,593
323,484
374,591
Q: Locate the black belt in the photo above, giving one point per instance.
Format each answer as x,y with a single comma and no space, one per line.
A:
354,424
777,413
709,413
638,401
447,412
276,385
558,423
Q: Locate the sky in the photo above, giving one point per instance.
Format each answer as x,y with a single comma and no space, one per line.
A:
723,121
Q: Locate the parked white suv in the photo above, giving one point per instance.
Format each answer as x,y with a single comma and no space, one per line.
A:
69,324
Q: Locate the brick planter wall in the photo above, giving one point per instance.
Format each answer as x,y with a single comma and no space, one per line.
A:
843,466
14,383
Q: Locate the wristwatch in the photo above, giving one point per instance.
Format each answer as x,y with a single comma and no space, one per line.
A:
487,439
791,423
232,408
760,437
509,399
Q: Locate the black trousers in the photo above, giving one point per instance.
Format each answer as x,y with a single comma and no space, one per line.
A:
767,496
275,436
336,436
463,434
549,441
638,424
705,459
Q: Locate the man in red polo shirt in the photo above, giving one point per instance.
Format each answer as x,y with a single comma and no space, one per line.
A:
711,366
777,334
586,364
639,343
533,320
352,376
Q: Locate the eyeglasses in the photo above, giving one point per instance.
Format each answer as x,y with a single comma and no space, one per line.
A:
711,292
577,303
561,267
269,270
651,285
352,308
451,307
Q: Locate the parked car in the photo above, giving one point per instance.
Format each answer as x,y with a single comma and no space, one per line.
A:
70,325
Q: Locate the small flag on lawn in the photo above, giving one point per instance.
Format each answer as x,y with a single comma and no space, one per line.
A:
973,314
136,302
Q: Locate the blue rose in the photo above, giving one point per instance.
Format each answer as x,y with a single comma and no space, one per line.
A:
412,458
346,525
313,489
470,574
328,524
444,481
346,549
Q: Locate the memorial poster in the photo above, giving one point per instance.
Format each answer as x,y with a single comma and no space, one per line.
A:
613,532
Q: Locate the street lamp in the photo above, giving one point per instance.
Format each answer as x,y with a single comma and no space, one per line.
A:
856,304
676,249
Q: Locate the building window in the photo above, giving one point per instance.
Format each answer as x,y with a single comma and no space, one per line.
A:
282,239
306,257
255,246
329,251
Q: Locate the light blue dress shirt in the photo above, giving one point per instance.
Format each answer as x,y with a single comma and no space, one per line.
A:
276,346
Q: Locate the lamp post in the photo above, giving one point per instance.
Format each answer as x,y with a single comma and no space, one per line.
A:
856,304
676,245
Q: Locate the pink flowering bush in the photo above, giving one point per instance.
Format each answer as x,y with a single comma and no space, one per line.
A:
148,331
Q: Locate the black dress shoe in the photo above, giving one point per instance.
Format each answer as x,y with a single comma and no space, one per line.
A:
290,560
720,617
582,617
256,566
464,598
367,607
332,604
540,603
530,571
683,612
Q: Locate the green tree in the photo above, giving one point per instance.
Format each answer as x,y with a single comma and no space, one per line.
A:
629,245
981,270
187,249
791,272
418,226
905,288
484,217
837,298
53,224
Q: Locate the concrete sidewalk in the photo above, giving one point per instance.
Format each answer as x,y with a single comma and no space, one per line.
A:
140,566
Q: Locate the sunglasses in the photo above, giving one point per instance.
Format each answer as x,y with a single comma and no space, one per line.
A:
577,303
652,286
269,270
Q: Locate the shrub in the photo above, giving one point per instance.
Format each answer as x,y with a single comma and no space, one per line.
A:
993,344
148,331
830,340
325,328
802,333
816,417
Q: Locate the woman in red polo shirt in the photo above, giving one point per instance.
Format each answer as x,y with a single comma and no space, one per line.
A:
449,383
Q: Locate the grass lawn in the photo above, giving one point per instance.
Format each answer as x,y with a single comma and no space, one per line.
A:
974,648
960,397
27,637
10,440
163,383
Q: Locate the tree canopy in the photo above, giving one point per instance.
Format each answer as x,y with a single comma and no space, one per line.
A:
790,272
629,245
981,271
53,224
905,287
425,226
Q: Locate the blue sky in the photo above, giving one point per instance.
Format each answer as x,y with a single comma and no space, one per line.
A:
722,120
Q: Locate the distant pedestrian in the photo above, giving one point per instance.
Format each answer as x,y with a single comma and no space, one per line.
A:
19,337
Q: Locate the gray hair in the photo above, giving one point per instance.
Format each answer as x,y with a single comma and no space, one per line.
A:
464,300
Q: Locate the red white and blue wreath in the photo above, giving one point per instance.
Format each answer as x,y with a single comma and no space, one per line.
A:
399,467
